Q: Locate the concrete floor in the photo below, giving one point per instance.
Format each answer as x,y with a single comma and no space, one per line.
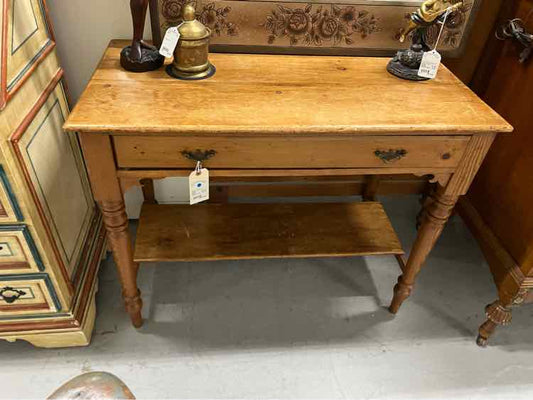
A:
310,328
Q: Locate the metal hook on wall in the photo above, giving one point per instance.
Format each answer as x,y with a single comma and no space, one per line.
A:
515,29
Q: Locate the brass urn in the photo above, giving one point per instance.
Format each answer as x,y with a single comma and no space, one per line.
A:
191,57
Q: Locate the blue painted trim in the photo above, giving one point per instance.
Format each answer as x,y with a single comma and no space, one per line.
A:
28,66
13,51
33,249
45,19
29,241
33,316
40,186
44,277
48,43
11,195
5,244
29,289
34,135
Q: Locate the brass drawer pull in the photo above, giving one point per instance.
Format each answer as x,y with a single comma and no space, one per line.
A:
10,295
198,155
388,156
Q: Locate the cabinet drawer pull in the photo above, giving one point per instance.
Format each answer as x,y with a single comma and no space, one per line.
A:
10,295
388,156
198,155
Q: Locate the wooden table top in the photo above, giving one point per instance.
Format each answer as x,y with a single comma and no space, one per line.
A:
277,95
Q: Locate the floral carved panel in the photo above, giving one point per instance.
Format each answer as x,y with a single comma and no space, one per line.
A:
318,26
329,27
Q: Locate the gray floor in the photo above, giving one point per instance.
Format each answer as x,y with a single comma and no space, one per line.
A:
312,328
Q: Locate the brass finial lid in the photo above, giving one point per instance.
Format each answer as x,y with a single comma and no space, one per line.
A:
191,28
189,13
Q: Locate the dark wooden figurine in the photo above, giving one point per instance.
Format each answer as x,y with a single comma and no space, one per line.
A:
140,56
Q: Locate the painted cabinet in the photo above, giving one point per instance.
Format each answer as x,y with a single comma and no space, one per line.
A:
51,236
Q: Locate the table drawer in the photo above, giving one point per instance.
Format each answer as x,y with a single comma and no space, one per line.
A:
27,294
300,152
18,253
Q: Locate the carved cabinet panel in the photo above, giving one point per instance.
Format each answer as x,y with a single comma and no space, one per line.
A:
314,27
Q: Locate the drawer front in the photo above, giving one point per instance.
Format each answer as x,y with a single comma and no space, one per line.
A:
9,208
27,294
302,152
18,253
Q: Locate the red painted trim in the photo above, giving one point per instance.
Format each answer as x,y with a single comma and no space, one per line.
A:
85,255
19,132
6,95
66,90
14,265
15,137
3,77
48,21
30,70
41,325
3,212
17,264
28,307
91,273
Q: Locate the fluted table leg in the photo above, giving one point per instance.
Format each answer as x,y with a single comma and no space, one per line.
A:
497,314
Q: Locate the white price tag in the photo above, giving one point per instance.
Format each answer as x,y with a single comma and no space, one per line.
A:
430,64
170,41
199,186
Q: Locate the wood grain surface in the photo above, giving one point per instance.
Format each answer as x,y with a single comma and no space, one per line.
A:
236,231
278,94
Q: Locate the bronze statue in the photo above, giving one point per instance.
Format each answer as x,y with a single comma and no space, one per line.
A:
406,63
140,56
428,12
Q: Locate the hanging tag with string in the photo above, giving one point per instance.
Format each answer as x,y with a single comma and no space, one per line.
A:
199,184
170,41
429,66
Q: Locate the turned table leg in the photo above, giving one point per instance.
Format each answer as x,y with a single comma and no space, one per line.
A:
98,154
434,217
116,224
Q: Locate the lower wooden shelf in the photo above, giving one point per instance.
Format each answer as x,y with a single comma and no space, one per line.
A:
245,231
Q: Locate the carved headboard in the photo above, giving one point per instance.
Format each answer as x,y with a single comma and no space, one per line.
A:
345,27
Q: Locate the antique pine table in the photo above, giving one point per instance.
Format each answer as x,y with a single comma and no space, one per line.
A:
276,116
